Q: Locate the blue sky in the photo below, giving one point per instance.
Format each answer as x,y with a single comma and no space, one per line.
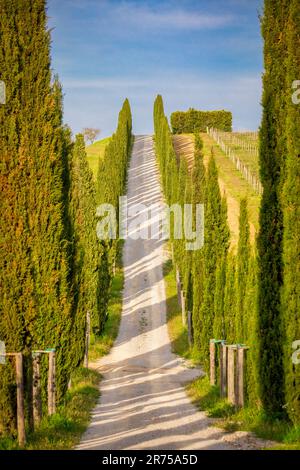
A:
196,53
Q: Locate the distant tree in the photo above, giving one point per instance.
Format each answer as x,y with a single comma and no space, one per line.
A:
90,134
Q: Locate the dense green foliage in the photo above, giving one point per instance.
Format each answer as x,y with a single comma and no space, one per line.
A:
112,170
197,121
291,218
243,256
216,239
278,242
90,272
198,197
176,182
36,310
220,287
54,269
253,297
272,149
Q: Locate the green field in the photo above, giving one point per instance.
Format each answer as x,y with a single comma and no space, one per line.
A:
96,151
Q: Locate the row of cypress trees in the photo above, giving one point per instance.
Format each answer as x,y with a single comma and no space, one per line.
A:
53,269
36,308
220,284
112,171
251,296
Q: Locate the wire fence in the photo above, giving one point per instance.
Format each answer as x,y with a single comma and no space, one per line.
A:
247,173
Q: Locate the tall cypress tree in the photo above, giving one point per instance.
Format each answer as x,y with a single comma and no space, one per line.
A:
35,306
251,332
242,271
198,182
219,299
215,248
291,213
272,152
230,299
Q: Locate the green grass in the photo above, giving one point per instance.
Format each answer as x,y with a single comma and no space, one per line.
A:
94,152
178,332
63,430
207,398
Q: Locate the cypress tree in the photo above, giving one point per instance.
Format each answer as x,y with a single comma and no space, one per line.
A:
198,197
251,332
291,218
187,254
112,173
272,151
35,306
242,271
230,299
219,300
215,247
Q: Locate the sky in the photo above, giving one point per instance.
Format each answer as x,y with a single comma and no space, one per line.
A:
205,54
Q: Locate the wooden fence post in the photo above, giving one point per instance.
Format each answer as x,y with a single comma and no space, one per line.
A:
36,389
231,382
212,360
87,339
51,383
20,399
223,369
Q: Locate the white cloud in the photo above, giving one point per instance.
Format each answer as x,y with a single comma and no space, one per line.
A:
145,17
141,15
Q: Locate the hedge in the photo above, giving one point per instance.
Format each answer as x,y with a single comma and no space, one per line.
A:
197,121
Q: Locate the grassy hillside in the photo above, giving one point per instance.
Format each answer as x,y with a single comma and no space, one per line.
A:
244,146
95,151
230,180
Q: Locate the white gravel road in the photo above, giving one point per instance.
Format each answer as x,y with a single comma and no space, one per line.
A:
143,404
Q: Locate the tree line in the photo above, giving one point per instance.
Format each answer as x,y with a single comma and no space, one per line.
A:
219,286
195,120
53,269
251,295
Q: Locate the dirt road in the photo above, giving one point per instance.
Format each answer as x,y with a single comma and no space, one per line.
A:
143,404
